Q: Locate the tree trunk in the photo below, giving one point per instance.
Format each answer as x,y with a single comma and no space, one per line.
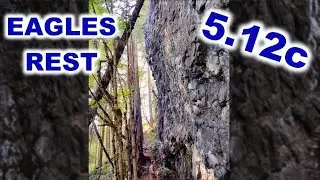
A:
132,121
137,109
101,147
120,150
118,122
151,119
100,157
115,154
134,156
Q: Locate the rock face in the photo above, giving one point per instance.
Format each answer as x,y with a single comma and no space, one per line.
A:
43,120
274,115
193,89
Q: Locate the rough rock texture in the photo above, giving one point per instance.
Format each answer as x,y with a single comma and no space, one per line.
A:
275,115
193,85
43,125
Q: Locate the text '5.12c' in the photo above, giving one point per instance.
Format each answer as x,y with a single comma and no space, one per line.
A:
269,45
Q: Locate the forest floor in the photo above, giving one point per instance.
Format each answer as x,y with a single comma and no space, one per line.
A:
148,153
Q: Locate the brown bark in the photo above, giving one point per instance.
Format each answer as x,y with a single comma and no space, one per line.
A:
129,148
137,109
132,123
114,152
101,146
151,119
120,152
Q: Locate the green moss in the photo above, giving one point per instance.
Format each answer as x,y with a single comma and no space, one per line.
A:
189,162
91,81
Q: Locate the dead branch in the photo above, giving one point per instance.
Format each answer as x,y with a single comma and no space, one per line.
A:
102,145
119,49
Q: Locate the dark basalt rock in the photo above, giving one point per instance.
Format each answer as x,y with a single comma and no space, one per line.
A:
43,119
193,89
274,130
275,117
